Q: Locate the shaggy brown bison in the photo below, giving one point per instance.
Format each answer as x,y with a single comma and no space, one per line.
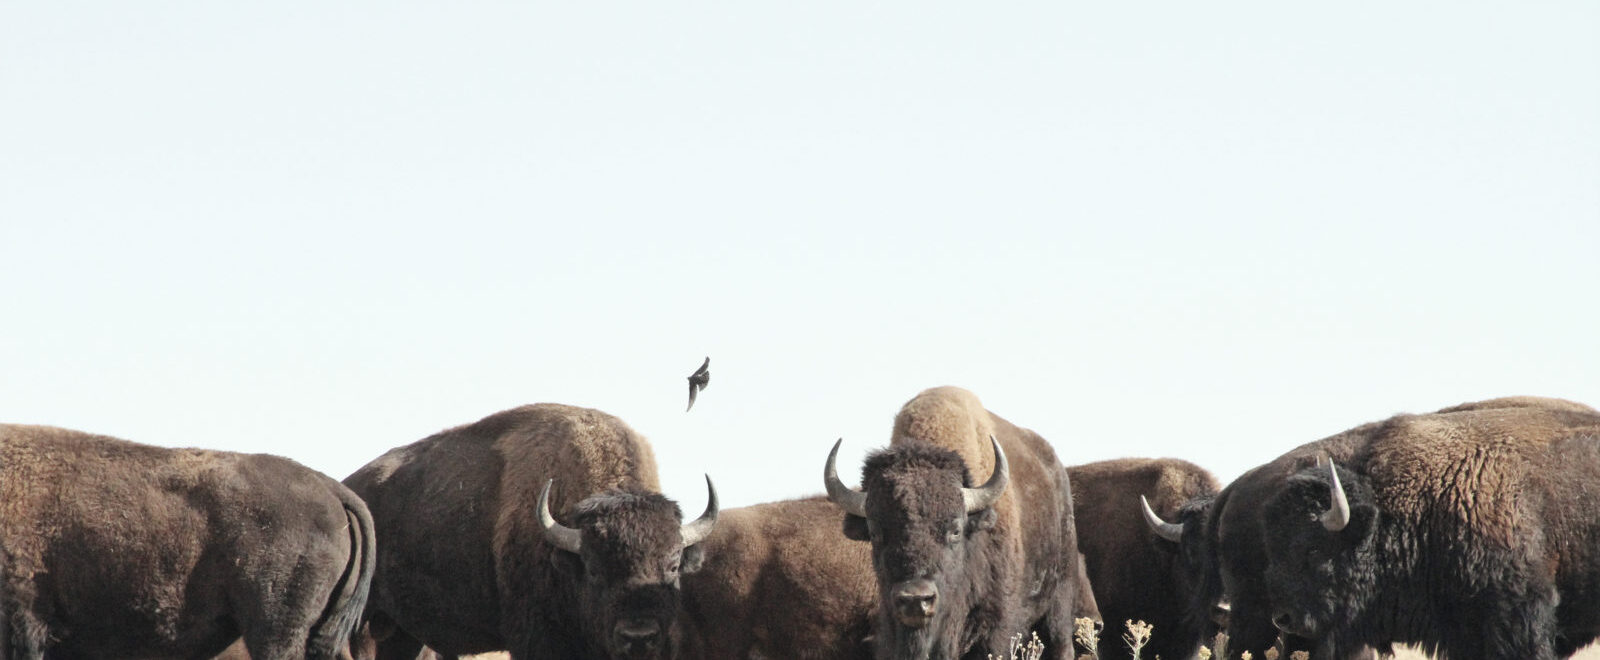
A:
120,550
960,569
780,582
471,559
1229,539
1138,573
1474,532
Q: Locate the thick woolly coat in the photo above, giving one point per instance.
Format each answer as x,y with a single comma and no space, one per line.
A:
114,549
1022,571
462,564
1474,531
781,582
1230,543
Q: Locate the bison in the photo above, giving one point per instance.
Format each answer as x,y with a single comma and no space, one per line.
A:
1136,571
471,559
781,583
1228,537
1473,532
115,549
960,569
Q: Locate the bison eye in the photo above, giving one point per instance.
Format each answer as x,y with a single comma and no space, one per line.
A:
953,534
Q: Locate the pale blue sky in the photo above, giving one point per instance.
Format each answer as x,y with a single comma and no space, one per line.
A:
1170,229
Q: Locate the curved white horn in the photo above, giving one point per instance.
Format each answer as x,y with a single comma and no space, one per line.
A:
555,533
1338,514
854,502
1170,531
698,530
983,497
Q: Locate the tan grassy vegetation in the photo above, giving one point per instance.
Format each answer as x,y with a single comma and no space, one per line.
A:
1034,649
1591,653
1138,634
1137,631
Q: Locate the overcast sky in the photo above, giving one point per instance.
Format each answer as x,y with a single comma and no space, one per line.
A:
1182,229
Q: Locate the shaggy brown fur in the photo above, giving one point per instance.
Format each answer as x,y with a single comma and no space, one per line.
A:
781,583
1137,575
1230,545
462,563
1018,568
1475,532
120,550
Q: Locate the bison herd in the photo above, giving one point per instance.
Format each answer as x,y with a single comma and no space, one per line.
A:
1473,532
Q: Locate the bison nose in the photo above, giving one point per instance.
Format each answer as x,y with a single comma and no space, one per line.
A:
1286,623
915,602
638,635
1220,614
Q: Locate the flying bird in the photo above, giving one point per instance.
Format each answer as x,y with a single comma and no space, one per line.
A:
698,381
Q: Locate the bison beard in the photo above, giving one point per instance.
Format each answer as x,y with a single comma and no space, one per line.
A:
630,617
628,603
926,547
1318,595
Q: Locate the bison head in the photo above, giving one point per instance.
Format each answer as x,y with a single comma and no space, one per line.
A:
921,516
1319,541
627,553
1195,571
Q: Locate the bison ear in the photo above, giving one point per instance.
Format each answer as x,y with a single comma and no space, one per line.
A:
1363,522
569,565
855,528
980,521
694,557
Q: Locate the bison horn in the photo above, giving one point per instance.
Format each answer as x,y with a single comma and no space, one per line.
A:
698,530
983,497
555,533
1338,514
1170,531
854,502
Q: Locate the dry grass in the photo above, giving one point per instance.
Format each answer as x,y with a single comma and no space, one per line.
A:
1139,633
1033,649
1591,653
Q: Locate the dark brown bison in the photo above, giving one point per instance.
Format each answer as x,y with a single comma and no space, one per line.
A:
1474,532
780,582
960,569
1229,539
1137,572
470,559
120,550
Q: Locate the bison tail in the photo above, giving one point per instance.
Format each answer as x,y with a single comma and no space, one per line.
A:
330,636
